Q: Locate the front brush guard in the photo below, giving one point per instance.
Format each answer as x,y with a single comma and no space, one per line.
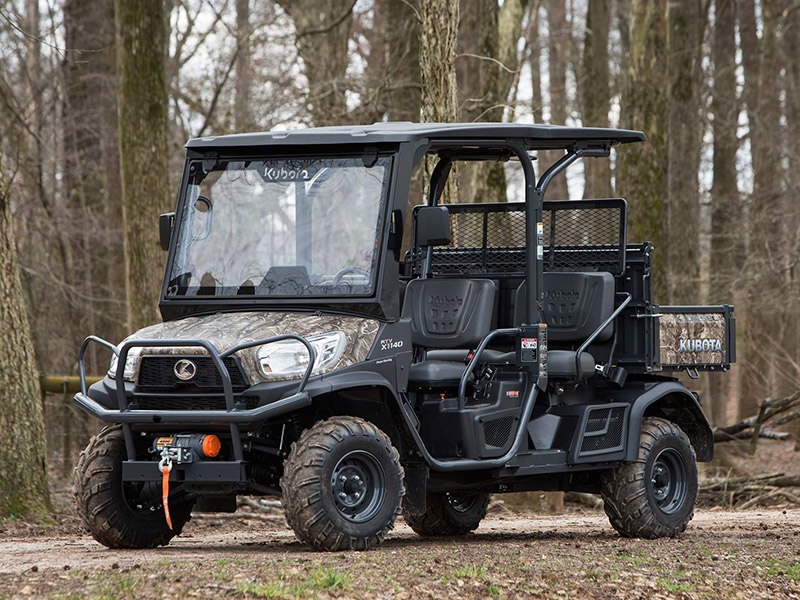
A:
231,415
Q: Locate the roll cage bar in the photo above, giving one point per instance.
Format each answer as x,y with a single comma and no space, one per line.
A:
472,150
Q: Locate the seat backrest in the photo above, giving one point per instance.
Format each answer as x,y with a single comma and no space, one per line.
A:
575,304
449,313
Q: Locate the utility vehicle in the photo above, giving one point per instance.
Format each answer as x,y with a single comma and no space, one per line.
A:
309,351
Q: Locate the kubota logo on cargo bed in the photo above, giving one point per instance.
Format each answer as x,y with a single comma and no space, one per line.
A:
701,345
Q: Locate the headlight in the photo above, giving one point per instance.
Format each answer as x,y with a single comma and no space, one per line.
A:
130,364
289,358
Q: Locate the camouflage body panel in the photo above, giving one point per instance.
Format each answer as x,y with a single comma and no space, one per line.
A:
692,339
226,330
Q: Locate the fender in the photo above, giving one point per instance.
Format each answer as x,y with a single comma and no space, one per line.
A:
671,400
371,379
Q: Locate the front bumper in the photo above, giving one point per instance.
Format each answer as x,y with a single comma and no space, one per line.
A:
233,416
238,416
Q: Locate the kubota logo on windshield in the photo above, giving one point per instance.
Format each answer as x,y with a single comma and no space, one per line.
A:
283,174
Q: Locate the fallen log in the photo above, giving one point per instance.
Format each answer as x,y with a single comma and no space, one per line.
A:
781,410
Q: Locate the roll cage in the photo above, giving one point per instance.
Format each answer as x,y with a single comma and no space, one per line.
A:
408,143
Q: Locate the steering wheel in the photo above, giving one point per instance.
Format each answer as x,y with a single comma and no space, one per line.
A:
337,279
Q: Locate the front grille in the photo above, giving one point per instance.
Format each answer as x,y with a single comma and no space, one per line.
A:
191,402
156,373
497,432
604,430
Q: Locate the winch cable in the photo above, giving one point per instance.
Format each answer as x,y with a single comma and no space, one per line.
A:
166,467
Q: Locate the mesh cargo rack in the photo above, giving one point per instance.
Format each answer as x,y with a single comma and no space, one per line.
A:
489,239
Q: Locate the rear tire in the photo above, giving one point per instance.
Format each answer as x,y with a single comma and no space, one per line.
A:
110,508
654,497
450,514
342,485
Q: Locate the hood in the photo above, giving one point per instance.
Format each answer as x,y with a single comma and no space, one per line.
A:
226,330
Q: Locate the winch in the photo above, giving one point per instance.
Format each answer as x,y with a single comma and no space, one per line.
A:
185,447
181,449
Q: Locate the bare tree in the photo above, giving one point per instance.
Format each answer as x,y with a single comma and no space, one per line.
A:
141,51
535,60
686,22
322,34
764,328
643,169
405,100
23,475
791,133
558,42
91,169
242,116
437,59
727,243
596,92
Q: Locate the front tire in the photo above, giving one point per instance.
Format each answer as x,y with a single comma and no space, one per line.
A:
655,496
342,485
121,514
450,514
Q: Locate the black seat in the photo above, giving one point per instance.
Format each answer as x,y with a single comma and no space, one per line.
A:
452,315
575,305
436,373
561,364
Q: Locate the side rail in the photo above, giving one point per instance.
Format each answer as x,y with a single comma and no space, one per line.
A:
230,415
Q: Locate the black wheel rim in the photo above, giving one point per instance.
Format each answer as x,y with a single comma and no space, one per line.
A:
358,484
668,481
462,503
143,498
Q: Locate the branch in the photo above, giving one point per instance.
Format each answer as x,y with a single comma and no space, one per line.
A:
335,23
217,91
490,59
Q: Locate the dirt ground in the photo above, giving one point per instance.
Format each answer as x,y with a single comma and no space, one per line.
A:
754,554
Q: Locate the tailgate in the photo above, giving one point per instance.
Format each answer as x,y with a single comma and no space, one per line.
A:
695,337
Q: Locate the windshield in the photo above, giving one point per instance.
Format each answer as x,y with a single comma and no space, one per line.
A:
288,227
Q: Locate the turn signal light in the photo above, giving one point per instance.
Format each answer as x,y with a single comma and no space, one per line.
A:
211,446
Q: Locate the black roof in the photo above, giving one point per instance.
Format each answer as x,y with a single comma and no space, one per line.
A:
535,136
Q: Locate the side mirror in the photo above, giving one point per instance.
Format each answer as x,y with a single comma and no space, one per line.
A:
165,224
433,226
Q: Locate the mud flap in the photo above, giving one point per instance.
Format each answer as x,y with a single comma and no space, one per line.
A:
416,482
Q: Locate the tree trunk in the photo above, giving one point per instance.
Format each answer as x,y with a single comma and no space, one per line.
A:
535,42
91,169
558,41
478,77
143,150
643,167
727,244
791,63
322,32
23,472
378,78
596,93
492,62
437,59
682,204
764,327
242,116
405,100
